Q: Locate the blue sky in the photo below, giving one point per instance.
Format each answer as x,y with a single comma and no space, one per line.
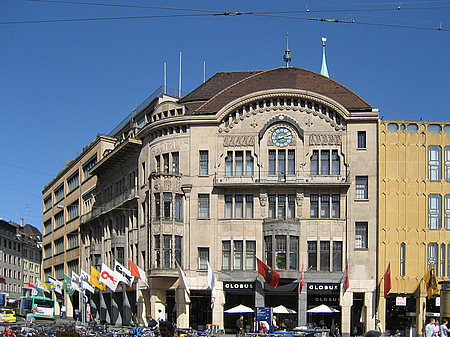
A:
62,83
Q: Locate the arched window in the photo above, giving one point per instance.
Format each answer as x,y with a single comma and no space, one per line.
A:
402,259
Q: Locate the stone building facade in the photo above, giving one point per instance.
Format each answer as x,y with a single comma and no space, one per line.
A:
278,164
414,218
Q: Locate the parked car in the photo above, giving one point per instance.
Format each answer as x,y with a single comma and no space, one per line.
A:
9,316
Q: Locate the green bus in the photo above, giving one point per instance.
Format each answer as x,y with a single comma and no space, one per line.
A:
39,306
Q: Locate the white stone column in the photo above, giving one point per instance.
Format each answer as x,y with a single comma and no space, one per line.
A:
182,302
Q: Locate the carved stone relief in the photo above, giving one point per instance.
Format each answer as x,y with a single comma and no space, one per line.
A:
263,199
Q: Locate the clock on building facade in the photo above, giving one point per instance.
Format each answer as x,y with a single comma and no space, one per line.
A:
282,137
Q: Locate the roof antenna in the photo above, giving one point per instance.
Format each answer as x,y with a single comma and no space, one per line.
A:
324,69
179,79
204,70
165,78
287,53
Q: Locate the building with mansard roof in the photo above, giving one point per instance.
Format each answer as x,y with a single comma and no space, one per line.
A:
278,164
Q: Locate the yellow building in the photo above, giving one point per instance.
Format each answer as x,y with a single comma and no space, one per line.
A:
414,219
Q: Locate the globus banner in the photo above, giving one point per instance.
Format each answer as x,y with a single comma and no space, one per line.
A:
237,286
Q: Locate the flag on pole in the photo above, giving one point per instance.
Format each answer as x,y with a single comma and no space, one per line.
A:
302,282
431,282
137,272
68,285
270,275
183,279
43,286
123,274
84,278
387,280
94,279
56,285
211,283
76,282
109,277
346,279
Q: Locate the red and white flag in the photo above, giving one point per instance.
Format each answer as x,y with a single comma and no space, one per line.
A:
387,280
302,282
346,280
270,275
109,277
137,272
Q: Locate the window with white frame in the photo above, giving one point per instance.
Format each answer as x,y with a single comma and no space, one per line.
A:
434,211
204,163
361,235
226,255
432,256
361,191
87,167
447,163
447,212
434,163
402,259
203,258
203,206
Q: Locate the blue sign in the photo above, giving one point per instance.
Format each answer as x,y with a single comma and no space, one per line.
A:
264,314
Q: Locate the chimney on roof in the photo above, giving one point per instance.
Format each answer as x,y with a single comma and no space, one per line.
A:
287,53
21,222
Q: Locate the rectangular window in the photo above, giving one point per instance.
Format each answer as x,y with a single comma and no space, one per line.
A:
268,250
72,182
324,206
226,255
144,174
314,165
361,232
402,259
239,155
362,188
157,251
48,226
178,249
175,162
167,207
48,250
293,252
324,255
272,206
157,206
166,164
314,206
249,206
281,163
325,162
312,255
448,260
291,207
59,272
282,207
239,207
178,207
48,203
291,162
434,163
361,139
203,258
432,257
59,193
228,206
238,254
447,163
59,246
442,260
447,212
87,167
280,251
336,206
203,206
272,162
59,219
167,251
72,211
434,211
337,255
250,253
336,163
72,240
158,164
229,164
249,163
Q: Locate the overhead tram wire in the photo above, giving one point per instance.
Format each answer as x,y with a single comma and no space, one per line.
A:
354,22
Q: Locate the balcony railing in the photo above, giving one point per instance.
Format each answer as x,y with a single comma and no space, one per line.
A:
109,205
264,178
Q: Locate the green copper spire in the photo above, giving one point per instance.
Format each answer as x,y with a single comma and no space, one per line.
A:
324,69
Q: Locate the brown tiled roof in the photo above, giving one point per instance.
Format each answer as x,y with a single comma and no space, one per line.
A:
223,88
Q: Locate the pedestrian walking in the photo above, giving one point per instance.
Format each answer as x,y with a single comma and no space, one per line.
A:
76,315
240,326
444,328
429,328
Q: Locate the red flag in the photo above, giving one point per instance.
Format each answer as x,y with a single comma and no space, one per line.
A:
270,275
346,279
387,280
302,283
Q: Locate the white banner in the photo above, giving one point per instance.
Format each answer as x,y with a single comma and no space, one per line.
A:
123,273
75,282
55,284
109,277
84,277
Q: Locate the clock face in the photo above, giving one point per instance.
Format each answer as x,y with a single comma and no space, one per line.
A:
282,137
